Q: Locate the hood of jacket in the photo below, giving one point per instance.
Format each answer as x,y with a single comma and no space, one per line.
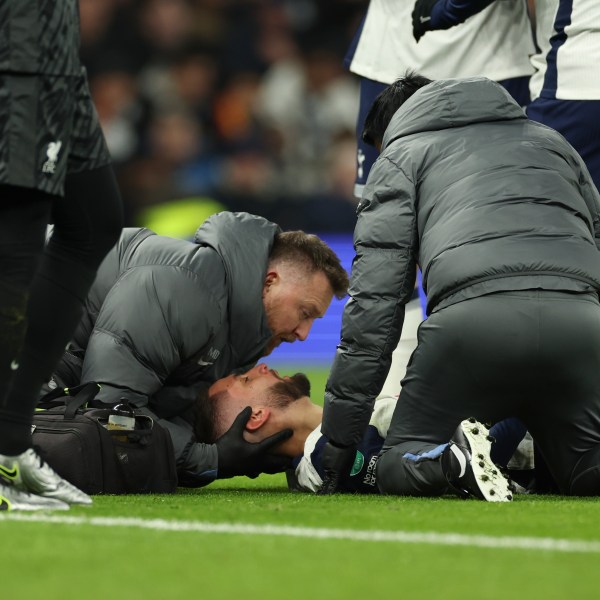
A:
244,242
449,103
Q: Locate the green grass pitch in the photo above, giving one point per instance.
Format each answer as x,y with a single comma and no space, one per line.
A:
253,539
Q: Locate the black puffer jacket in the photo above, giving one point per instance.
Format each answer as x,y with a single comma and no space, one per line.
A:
484,200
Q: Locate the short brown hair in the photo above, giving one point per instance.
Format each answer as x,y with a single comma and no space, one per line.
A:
204,415
201,416
314,254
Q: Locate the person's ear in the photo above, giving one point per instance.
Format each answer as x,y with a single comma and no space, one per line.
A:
270,278
258,418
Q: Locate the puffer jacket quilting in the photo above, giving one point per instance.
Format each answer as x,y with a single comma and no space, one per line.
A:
483,200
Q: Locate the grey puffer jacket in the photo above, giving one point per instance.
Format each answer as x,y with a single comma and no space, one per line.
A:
165,316
484,200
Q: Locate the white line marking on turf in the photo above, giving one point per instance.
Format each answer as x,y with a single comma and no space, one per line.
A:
406,537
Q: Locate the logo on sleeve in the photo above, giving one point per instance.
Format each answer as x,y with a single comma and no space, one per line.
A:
52,155
360,159
209,358
359,461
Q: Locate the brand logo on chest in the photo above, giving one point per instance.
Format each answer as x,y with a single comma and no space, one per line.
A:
209,357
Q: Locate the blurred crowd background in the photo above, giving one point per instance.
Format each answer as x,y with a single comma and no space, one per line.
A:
214,105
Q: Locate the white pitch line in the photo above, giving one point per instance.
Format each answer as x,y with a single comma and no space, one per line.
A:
405,537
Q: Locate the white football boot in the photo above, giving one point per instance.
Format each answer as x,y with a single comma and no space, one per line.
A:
28,472
13,499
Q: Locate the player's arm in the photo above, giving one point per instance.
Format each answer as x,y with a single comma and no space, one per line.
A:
382,282
196,463
362,477
429,15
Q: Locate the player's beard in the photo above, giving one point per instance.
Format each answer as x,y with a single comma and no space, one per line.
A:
295,387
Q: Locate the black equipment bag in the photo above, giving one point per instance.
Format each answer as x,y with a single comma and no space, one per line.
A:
74,441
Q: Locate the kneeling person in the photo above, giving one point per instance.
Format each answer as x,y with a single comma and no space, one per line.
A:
284,403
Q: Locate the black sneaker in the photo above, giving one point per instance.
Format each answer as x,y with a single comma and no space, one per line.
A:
468,467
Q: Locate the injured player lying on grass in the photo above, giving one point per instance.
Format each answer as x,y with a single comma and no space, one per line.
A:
284,402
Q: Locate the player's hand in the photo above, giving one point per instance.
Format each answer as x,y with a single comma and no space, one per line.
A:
238,457
421,17
337,462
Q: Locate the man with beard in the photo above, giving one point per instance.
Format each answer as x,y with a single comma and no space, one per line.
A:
167,317
271,403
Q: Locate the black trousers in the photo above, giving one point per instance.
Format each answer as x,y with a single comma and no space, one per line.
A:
534,355
43,286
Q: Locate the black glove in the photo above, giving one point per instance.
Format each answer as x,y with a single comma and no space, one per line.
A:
421,16
239,457
337,462
271,464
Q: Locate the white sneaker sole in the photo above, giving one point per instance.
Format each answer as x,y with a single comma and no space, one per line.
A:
11,499
29,473
492,483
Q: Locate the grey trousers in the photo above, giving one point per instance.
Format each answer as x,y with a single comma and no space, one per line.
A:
534,355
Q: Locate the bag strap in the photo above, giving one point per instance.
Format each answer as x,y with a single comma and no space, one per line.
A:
72,398
79,397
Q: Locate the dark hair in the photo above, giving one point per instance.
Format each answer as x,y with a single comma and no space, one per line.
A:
283,393
387,103
311,252
201,415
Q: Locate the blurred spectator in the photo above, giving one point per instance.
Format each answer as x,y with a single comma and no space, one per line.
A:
108,35
165,26
120,110
241,102
174,163
307,102
333,208
234,111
